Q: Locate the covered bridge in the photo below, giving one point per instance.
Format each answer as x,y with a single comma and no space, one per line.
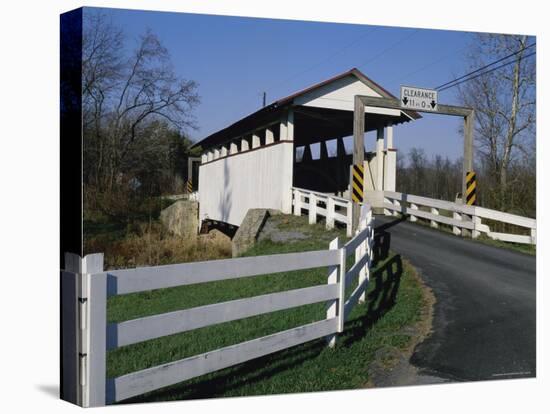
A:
256,161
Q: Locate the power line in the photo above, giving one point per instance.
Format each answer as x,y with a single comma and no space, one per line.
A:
326,59
481,74
440,87
392,46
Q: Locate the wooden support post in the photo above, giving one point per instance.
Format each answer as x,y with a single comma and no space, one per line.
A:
216,154
223,151
434,223
290,125
84,330
323,150
457,216
269,138
297,203
380,159
412,217
244,145
283,131
358,152
233,149
468,160
332,306
477,225
396,203
330,213
533,236
349,219
312,208
255,141
360,251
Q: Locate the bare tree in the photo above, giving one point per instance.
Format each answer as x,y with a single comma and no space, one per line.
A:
504,101
123,95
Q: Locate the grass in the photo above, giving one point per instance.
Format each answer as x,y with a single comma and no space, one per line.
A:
141,240
395,300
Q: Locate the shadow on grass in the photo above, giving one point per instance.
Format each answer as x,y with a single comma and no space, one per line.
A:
385,282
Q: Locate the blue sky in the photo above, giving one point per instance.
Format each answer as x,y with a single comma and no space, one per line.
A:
235,59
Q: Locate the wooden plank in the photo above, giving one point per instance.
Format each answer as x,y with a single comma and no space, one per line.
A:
148,278
96,354
150,379
505,217
354,298
513,238
357,240
143,329
332,306
394,103
340,218
429,202
354,270
429,216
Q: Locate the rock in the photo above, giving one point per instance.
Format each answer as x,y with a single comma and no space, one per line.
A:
248,232
181,218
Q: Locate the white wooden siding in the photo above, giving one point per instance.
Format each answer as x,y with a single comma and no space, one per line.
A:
230,186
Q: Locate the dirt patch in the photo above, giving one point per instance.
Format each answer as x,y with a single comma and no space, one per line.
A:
392,367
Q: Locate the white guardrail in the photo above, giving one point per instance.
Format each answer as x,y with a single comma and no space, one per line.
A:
333,208
86,335
463,216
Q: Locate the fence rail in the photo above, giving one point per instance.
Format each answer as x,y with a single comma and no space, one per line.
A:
87,336
330,207
464,217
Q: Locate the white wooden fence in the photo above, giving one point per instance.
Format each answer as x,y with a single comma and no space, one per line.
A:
464,217
333,208
86,335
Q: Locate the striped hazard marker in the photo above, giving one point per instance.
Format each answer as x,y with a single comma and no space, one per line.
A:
357,183
470,188
189,186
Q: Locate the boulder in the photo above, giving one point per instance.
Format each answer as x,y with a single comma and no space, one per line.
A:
248,232
181,218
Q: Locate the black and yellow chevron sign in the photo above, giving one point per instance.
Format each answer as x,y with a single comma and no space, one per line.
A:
470,188
189,186
357,183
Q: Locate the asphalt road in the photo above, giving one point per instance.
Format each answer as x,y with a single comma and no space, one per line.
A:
484,323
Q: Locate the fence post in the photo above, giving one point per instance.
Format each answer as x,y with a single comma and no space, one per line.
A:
456,229
297,203
396,203
83,330
477,224
413,207
349,219
534,236
332,306
362,250
342,295
330,213
434,223
312,208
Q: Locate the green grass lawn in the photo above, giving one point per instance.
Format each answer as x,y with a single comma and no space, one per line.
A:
395,300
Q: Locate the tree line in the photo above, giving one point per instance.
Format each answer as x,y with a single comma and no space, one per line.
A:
136,112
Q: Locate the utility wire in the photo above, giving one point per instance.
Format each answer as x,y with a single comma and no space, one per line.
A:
443,86
392,46
481,74
326,59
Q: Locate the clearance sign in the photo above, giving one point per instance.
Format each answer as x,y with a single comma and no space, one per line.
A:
418,98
